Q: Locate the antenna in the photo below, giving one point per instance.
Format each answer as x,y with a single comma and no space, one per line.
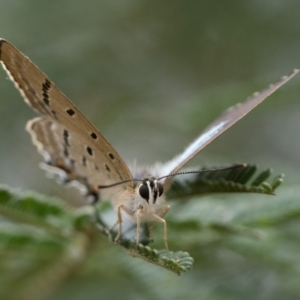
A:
237,166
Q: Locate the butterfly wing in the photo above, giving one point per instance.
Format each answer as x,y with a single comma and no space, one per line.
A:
70,144
225,121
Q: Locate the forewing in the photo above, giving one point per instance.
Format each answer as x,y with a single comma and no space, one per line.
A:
225,121
63,135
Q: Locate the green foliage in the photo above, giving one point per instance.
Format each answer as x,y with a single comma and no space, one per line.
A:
42,240
229,181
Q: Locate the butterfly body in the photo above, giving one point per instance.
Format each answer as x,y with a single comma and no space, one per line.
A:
75,150
145,204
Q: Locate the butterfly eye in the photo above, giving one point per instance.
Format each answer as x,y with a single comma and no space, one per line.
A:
160,189
144,191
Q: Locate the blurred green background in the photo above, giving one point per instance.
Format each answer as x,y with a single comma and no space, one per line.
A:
151,75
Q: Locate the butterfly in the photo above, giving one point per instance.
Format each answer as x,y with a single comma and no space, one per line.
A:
76,151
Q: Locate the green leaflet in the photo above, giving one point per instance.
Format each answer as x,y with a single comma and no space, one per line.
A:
231,181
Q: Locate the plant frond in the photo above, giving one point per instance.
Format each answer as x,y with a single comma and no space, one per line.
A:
242,180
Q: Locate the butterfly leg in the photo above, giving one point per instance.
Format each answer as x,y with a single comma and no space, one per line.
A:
151,228
138,226
120,221
159,216
160,219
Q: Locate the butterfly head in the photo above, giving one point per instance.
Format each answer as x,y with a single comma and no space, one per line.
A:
150,190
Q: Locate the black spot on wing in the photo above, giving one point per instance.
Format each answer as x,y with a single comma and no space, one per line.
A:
45,87
66,137
107,167
89,150
31,94
111,155
66,151
47,84
93,135
54,114
46,99
83,160
70,111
